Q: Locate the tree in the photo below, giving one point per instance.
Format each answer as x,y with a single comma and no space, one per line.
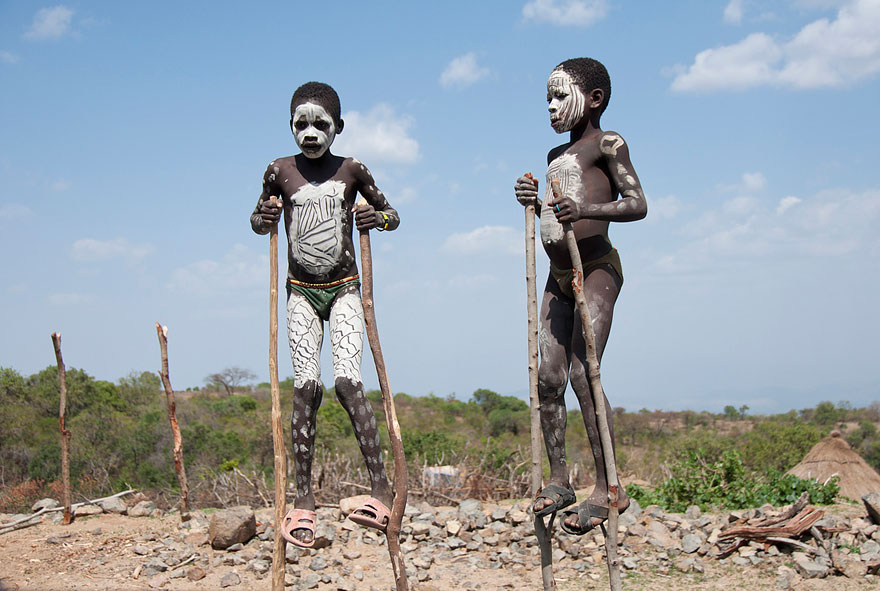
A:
730,412
230,378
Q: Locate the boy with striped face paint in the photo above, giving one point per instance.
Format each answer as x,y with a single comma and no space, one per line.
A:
599,185
318,190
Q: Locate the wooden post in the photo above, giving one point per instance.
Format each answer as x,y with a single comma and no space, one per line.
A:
392,531
65,433
278,555
577,285
162,333
542,531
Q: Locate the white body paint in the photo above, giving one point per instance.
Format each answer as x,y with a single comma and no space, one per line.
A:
316,226
610,144
347,336
305,333
313,129
568,171
567,101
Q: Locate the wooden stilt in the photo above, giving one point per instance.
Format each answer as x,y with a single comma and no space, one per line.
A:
542,531
162,332
392,531
65,432
278,554
577,285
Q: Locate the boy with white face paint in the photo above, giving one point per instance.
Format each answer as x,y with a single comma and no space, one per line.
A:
318,191
599,185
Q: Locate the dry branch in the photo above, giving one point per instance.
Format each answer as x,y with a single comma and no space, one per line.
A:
278,554
577,285
392,530
162,332
65,433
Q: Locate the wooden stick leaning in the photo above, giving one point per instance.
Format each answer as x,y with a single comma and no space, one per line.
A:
577,285
162,333
541,530
278,554
392,531
65,432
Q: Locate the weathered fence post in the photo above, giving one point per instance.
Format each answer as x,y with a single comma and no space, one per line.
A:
65,432
162,332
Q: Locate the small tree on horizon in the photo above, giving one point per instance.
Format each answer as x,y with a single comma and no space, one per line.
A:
230,379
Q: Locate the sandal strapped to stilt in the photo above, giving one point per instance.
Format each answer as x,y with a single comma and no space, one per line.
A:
299,519
373,513
586,512
561,497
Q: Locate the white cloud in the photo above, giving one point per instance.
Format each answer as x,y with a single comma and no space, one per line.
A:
576,13
463,71
50,23
486,239
404,195
786,203
753,181
746,230
60,185
824,53
89,250
14,211
664,208
733,12
7,57
239,269
380,135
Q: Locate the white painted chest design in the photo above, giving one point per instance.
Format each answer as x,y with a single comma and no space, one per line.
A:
316,226
568,171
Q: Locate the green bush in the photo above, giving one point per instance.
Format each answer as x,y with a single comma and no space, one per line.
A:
725,484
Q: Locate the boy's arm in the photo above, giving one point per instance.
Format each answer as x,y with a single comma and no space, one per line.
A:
378,213
632,205
266,214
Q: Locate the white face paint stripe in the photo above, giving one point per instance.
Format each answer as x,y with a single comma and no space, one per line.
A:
567,100
307,115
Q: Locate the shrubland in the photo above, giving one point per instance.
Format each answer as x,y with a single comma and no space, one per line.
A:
121,438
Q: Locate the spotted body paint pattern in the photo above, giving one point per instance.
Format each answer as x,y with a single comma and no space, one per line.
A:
316,225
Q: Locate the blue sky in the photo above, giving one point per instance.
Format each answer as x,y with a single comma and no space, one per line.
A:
135,137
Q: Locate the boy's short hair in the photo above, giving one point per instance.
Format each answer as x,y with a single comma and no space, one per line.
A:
322,93
589,74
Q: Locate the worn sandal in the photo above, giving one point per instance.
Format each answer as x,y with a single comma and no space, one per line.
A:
561,496
373,513
586,512
297,519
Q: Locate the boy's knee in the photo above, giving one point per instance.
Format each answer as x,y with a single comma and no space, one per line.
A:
551,382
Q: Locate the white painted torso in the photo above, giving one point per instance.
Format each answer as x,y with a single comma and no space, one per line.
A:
316,225
568,171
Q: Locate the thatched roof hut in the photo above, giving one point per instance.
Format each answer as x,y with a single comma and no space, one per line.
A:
833,456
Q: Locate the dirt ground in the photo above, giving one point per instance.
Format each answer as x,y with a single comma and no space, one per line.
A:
98,553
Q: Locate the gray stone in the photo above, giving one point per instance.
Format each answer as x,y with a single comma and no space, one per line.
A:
158,582
258,566
46,503
690,543
142,509
498,513
88,509
236,547
114,505
230,526
324,535
470,507
872,504
310,581
807,568
318,563
454,542
630,563
141,550
230,580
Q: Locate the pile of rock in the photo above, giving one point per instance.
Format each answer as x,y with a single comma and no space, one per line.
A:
452,543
